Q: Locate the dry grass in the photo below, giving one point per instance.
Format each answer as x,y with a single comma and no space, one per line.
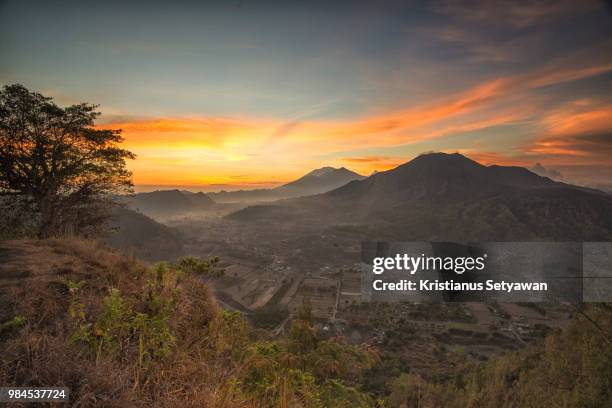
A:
35,281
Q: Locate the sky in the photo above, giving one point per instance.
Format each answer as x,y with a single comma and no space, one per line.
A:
247,94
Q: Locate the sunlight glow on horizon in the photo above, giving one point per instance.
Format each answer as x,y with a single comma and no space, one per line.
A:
253,94
266,152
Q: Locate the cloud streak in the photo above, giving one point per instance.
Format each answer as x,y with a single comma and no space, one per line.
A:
192,145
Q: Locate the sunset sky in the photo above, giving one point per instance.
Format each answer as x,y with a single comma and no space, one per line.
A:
256,93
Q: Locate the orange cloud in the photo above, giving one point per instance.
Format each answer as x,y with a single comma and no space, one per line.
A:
369,164
556,147
188,148
421,116
367,159
200,149
556,76
488,158
206,132
578,130
568,122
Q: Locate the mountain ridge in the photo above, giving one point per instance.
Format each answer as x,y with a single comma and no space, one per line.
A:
323,178
316,181
449,196
162,203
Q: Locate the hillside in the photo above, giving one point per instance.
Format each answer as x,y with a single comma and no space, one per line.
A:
167,203
59,297
572,368
315,182
448,196
136,234
120,334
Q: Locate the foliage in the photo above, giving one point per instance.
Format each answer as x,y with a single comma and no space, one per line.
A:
119,325
304,370
16,322
300,369
572,368
192,264
229,334
130,335
57,164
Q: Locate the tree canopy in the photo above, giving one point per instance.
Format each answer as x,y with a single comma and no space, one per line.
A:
56,164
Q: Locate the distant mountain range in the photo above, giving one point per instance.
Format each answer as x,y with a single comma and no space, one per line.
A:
450,197
169,203
316,182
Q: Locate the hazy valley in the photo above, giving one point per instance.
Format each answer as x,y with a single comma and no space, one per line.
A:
279,255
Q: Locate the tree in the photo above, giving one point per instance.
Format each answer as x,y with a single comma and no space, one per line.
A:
57,164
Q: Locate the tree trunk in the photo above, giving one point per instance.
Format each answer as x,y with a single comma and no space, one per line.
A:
47,217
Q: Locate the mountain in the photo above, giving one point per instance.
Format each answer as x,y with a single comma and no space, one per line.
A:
321,180
448,196
438,176
316,182
165,203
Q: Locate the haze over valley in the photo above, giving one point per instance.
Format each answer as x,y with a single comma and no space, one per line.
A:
277,255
